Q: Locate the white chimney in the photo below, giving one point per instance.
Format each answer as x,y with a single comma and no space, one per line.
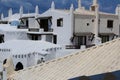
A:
117,10
71,7
10,12
36,10
95,2
21,11
2,16
79,4
53,5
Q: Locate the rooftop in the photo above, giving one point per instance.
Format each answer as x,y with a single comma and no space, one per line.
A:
27,46
96,60
9,28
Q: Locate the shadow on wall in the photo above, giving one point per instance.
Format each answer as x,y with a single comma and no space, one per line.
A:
105,76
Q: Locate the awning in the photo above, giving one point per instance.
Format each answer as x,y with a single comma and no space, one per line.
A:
107,34
44,17
26,17
40,33
83,33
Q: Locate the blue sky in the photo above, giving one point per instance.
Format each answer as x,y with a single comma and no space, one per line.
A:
29,5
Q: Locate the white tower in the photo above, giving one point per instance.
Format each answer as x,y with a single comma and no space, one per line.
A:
21,11
95,8
53,5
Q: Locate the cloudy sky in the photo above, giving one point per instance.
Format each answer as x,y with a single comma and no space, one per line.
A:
29,5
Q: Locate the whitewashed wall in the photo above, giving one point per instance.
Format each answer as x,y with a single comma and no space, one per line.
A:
81,22
63,33
15,35
4,54
33,23
103,24
21,60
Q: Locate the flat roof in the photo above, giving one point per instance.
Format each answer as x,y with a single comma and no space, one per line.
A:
9,28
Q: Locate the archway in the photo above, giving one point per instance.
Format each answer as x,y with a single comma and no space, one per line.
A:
19,66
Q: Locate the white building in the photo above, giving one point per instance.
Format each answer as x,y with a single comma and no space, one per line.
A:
78,27
100,62
71,28
10,28
26,53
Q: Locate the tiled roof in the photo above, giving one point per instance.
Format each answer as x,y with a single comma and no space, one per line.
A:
96,60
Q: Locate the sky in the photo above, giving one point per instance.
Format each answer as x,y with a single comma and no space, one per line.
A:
29,5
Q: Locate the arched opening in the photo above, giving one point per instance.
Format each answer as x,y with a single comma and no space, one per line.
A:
19,66
4,62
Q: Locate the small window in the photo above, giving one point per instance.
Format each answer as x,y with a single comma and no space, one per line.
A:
92,20
93,8
110,24
25,56
88,24
15,56
60,22
18,56
22,56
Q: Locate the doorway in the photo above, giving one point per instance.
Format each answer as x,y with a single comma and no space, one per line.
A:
19,66
44,24
1,38
55,39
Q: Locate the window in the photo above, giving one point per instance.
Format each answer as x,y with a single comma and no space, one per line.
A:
93,8
60,22
88,24
110,24
34,37
1,38
92,20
